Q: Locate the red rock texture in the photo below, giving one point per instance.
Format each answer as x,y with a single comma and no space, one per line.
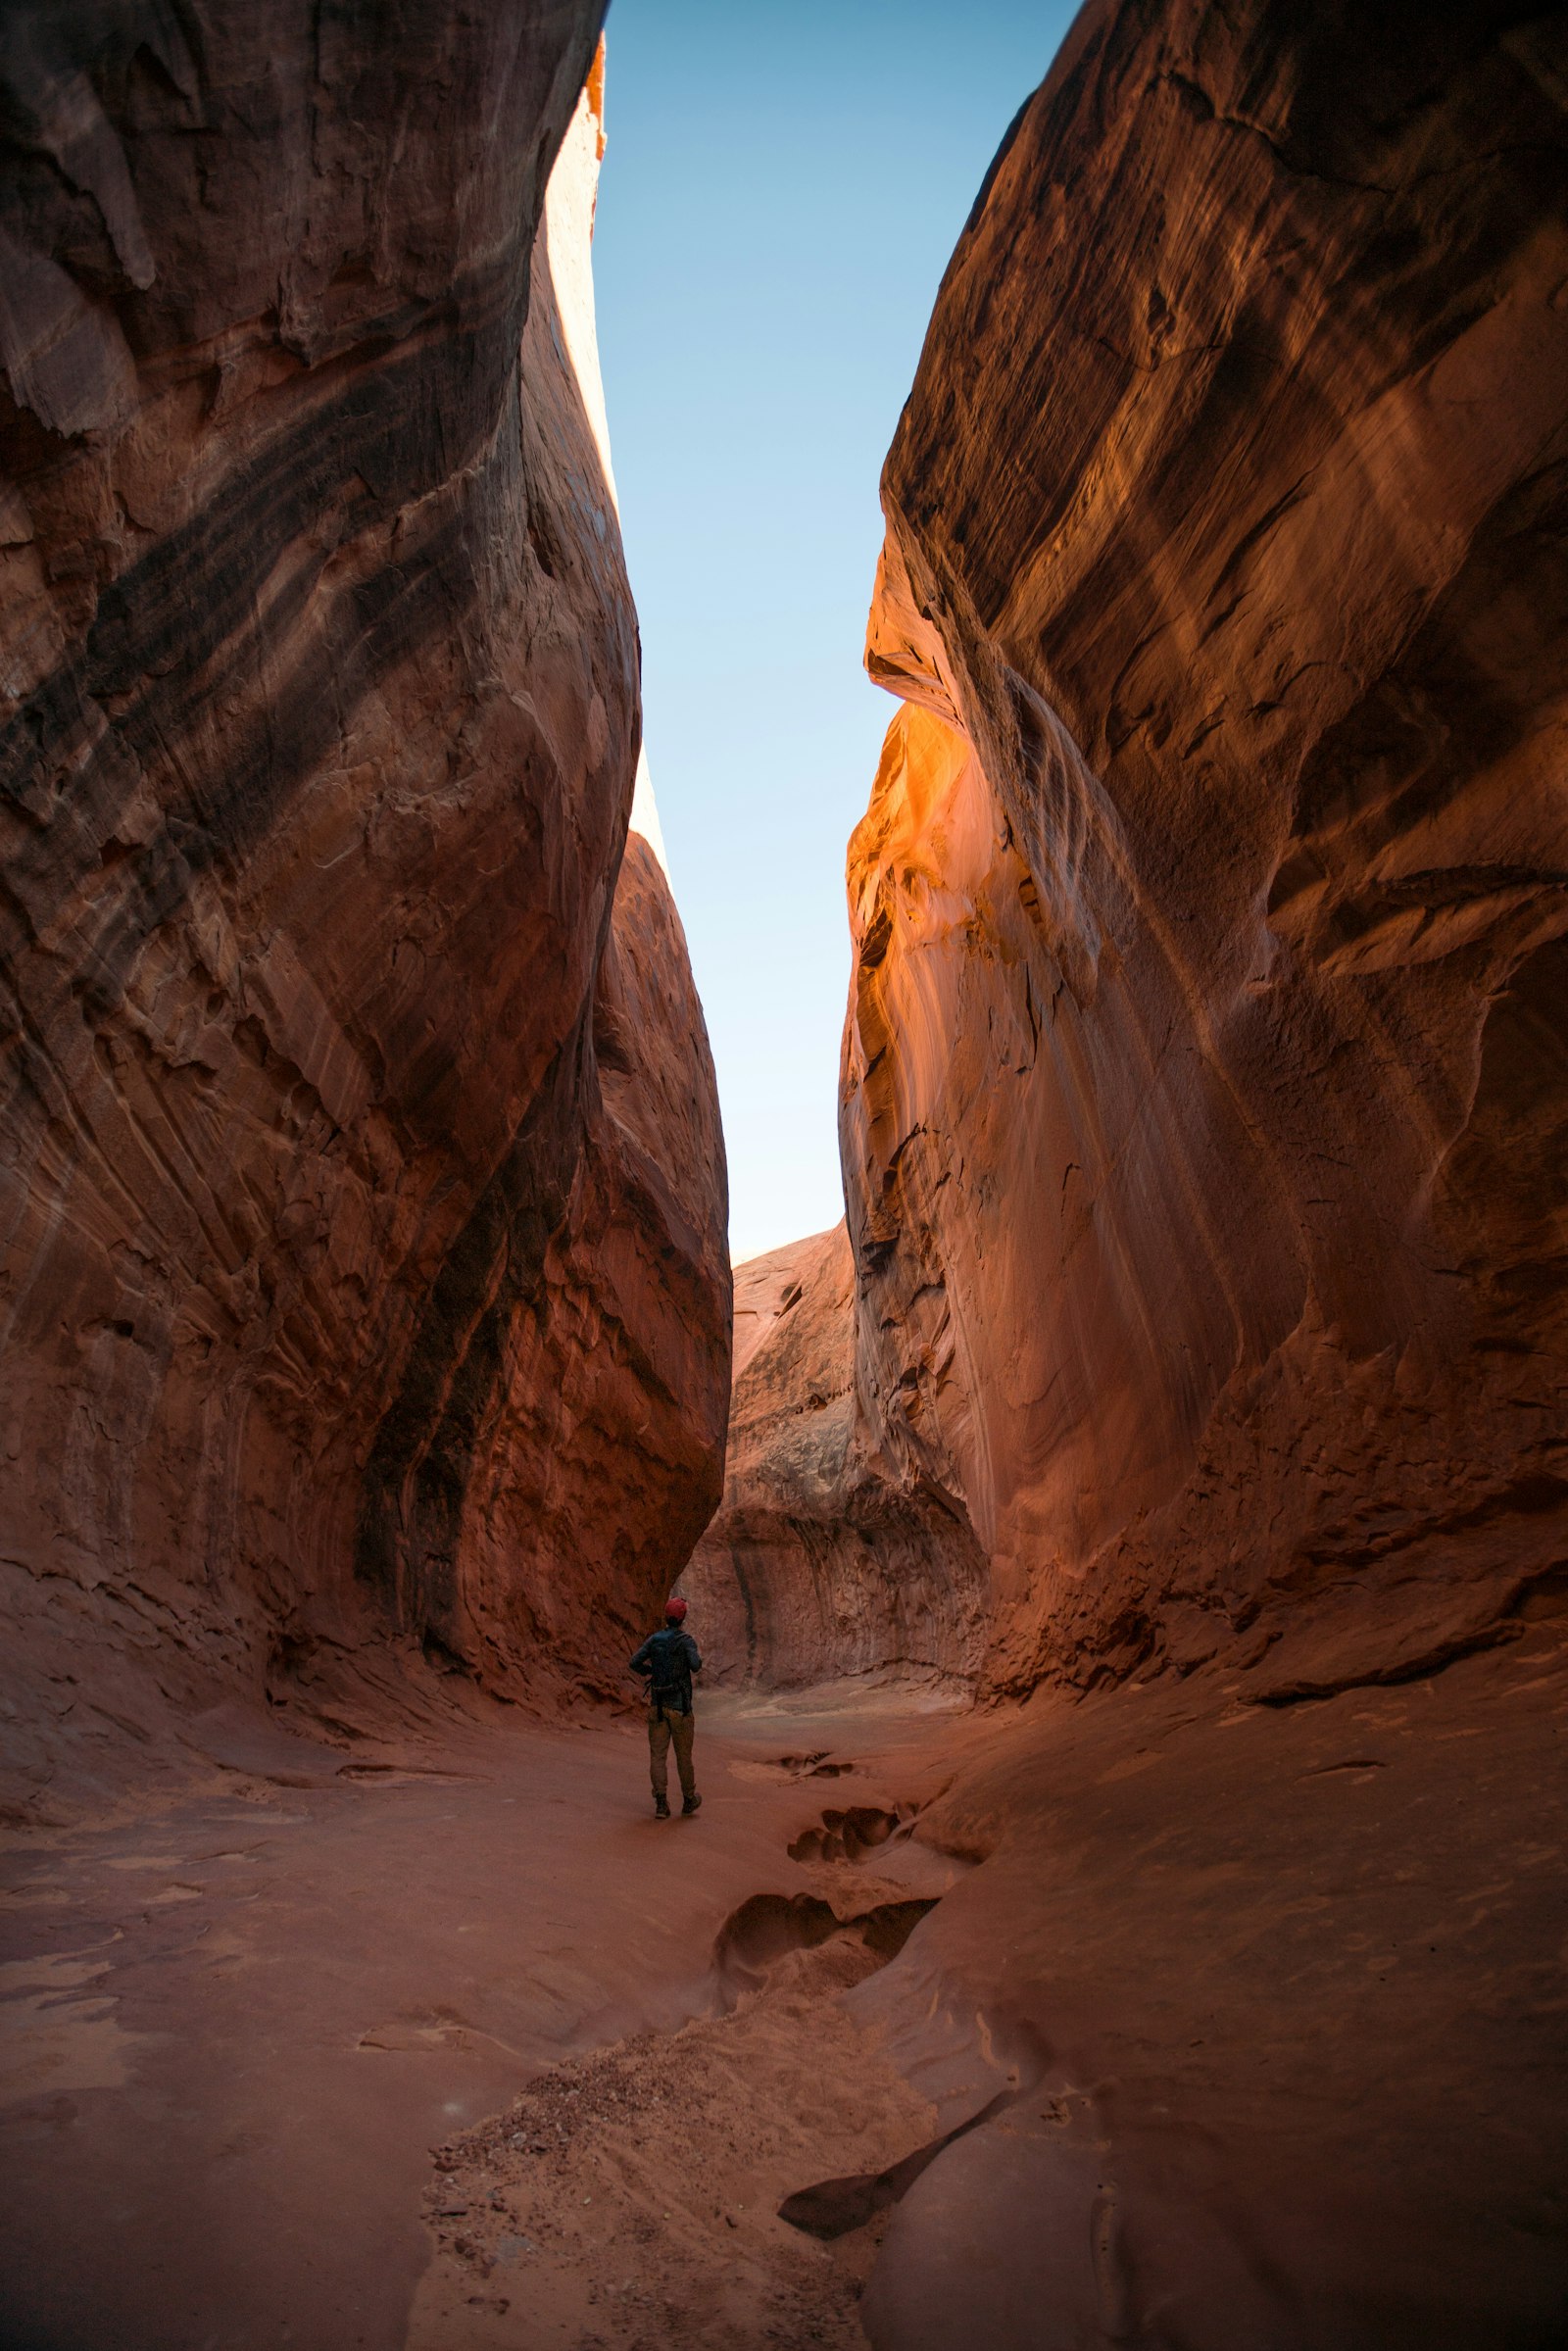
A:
769,1288
1207,1064
818,1564
1264,2002
363,1193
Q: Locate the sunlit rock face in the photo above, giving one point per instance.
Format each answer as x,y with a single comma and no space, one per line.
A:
1207,1061
819,1566
363,1193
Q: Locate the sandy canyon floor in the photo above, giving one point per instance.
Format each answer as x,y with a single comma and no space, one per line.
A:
238,2018
453,2045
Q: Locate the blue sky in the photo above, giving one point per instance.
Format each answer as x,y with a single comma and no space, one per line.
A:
783,184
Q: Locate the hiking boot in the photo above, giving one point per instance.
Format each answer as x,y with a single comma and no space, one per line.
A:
691,1804
660,1809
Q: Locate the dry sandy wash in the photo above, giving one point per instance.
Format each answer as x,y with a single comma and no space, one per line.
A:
1128,1904
1256,2014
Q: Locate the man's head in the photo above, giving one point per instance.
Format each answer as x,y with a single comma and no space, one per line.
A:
675,1610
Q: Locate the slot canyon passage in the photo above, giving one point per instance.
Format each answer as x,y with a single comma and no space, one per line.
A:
1131,1551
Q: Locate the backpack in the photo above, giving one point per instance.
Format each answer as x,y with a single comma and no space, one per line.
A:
671,1671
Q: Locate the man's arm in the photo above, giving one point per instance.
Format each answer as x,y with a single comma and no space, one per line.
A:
693,1658
640,1664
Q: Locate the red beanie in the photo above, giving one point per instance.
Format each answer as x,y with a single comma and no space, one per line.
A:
676,1607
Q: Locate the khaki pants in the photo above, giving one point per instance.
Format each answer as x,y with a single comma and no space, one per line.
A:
662,1729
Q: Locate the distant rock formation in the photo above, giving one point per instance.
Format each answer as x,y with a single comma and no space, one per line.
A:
818,1567
1206,1066
769,1288
362,1192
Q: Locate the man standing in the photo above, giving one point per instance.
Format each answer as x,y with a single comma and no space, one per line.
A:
668,1661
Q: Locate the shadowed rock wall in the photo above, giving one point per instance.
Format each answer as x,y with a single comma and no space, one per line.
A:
362,1195
1207,1062
817,1565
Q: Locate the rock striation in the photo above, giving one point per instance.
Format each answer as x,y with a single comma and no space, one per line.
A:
818,1565
362,1199
1205,1072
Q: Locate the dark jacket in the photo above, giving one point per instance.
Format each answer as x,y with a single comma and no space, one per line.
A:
669,1659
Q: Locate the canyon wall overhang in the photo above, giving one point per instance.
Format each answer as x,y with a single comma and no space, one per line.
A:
1207,1062
362,1194
820,1564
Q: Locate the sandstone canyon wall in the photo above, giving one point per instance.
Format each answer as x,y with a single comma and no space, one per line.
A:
1207,1064
363,1193
818,1565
